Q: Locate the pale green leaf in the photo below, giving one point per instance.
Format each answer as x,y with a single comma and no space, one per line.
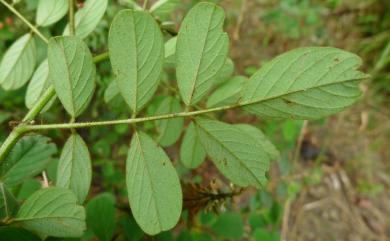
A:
169,130
237,155
153,186
52,211
111,92
72,73
88,17
30,156
136,50
202,49
18,63
8,203
50,11
305,83
192,153
228,93
101,216
163,8
74,167
39,83
225,73
170,50
257,134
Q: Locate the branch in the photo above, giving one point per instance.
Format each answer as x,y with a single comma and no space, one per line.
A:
30,25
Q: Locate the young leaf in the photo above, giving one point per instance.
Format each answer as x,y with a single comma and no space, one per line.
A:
72,73
169,130
88,17
136,50
18,63
8,233
153,186
268,147
228,93
52,211
163,8
101,216
192,153
305,83
38,85
75,167
237,155
202,48
30,156
50,11
8,203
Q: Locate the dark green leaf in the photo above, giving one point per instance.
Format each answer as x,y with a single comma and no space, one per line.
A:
8,233
8,204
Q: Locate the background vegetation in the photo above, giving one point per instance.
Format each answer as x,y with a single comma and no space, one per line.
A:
332,179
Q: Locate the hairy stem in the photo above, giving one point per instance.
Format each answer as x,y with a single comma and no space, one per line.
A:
21,17
31,127
71,17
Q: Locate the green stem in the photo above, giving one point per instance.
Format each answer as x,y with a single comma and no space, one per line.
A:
15,134
28,127
30,25
71,18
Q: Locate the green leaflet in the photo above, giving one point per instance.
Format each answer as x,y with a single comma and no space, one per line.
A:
201,52
170,50
30,156
268,147
52,211
153,186
225,73
169,130
74,167
192,153
239,156
163,8
229,225
18,63
72,73
136,50
39,83
88,17
305,83
228,93
8,203
111,92
101,216
50,11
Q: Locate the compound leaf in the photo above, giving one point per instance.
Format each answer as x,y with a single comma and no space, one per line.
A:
72,73
153,186
169,130
74,167
305,83
239,156
201,52
50,11
18,63
88,17
136,50
30,156
192,153
52,211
